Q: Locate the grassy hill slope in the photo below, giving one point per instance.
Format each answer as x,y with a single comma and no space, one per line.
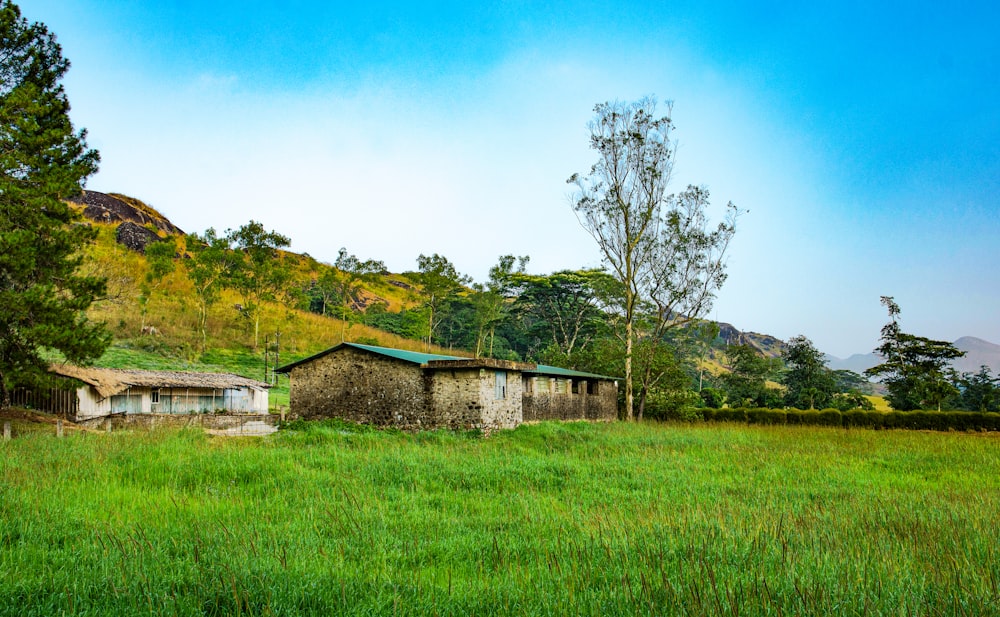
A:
290,331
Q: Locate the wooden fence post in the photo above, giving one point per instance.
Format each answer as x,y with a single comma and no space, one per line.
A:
6,431
59,428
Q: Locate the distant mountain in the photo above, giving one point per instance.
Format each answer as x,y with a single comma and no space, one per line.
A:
977,353
858,363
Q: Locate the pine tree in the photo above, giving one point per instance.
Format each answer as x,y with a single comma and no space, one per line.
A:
42,162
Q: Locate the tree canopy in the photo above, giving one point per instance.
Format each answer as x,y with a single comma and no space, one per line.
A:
809,383
257,271
746,383
440,282
210,261
43,161
659,247
915,370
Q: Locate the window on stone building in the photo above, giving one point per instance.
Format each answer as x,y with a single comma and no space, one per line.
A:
579,386
500,385
154,396
542,384
591,387
561,386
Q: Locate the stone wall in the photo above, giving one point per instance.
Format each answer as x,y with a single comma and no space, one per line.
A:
500,411
458,401
545,398
370,389
360,387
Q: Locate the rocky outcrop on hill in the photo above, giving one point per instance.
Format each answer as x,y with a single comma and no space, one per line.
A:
135,237
765,343
104,208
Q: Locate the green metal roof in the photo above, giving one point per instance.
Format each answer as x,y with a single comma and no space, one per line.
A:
416,357
401,354
543,369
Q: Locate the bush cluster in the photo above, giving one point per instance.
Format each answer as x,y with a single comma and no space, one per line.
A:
859,418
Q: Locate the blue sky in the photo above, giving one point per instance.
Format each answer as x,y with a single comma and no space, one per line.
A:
863,138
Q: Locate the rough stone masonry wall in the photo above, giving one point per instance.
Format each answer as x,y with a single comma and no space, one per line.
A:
370,389
550,405
360,387
455,398
505,412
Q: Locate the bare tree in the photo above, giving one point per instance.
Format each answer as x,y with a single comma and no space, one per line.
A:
658,247
686,266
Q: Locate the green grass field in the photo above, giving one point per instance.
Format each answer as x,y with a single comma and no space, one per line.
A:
551,519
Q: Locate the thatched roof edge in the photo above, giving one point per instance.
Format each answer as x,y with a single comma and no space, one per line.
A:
109,382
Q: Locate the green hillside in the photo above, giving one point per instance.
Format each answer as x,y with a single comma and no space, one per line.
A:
167,336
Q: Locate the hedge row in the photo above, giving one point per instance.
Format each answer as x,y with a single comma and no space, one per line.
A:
914,420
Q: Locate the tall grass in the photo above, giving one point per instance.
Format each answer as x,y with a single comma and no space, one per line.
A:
550,519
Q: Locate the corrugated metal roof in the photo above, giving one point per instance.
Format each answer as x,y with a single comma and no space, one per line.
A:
401,354
414,357
543,369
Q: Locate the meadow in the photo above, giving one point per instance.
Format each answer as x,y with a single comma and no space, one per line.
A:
549,519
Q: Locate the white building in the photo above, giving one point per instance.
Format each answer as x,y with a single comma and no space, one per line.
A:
120,391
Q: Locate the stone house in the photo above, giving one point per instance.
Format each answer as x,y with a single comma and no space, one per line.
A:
414,391
103,392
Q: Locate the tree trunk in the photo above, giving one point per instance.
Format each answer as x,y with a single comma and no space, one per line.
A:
4,394
203,323
430,325
343,324
628,369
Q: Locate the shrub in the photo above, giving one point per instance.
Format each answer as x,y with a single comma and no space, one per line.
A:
856,418
730,414
672,405
766,416
712,397
859,418
831,417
